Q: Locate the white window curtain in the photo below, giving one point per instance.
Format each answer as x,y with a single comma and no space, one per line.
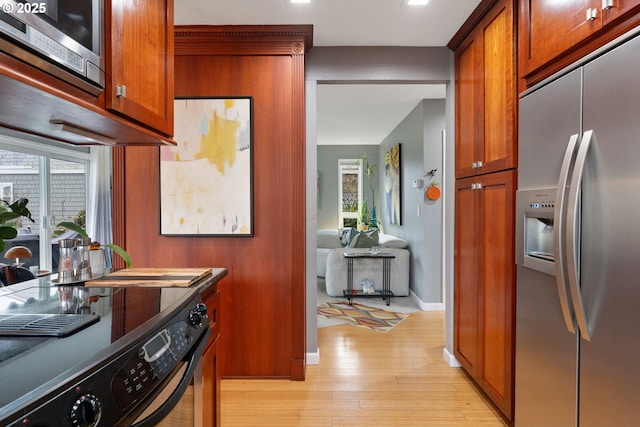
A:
99,223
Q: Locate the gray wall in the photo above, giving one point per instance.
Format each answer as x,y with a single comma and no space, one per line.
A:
328,156
420,138
368,65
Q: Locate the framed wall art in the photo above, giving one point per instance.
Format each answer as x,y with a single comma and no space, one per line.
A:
393,185
206,181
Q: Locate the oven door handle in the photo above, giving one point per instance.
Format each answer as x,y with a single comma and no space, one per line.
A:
158,415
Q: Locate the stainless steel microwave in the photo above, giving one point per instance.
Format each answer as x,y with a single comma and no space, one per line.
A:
62,37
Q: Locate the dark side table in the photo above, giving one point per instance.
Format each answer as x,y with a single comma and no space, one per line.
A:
385,293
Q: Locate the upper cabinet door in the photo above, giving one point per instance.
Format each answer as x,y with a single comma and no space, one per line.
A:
497,150
552,27
140,60
468,76
554,34
486,95
614,9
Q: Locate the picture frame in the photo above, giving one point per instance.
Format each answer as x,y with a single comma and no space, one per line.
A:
393,184
206,180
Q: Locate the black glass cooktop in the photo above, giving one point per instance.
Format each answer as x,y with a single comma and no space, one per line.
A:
48,330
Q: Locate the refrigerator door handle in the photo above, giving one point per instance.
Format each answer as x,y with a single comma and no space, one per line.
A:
558,233
572,232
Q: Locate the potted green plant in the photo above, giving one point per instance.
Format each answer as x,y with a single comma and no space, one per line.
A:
369,217
9,213
364,219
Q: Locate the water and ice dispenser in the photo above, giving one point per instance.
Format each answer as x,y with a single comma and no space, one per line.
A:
534,229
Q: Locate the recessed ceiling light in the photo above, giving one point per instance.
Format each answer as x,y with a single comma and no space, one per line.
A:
417,2
300,1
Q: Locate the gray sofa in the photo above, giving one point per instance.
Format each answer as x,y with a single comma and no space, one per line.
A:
332,264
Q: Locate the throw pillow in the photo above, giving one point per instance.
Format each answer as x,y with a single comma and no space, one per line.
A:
364,239
345,235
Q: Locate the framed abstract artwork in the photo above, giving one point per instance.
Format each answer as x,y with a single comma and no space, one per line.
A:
393,185
206,181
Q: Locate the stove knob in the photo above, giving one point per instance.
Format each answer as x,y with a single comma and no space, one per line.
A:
86,411
201,308
197,315
195,319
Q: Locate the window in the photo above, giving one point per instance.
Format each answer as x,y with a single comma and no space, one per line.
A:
55,181
349,191
6,192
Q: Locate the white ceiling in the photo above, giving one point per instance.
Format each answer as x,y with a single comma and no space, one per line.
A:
365,114
349,114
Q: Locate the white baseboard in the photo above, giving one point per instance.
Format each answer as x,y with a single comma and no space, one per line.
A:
313,358
450,358
426,306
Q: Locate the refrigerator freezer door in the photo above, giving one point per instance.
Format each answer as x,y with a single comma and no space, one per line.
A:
610,377
546,352
547,119
546,356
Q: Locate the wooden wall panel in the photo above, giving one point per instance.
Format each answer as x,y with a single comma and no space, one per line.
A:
263,322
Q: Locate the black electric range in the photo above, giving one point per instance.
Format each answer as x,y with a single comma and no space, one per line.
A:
89,356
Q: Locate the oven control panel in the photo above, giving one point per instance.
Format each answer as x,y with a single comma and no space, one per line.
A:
153,361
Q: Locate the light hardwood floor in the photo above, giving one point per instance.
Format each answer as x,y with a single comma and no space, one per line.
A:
366,379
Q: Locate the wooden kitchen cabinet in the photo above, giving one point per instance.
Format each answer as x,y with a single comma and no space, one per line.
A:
486,162
211,385
210,404
139,80
139,55
485,283
486,95
553,35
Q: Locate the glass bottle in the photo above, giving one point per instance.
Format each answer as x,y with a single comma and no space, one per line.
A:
65,263
83,270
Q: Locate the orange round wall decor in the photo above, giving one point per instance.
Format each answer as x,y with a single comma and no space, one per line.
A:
433,192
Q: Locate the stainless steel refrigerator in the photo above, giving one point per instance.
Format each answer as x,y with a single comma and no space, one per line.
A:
578,245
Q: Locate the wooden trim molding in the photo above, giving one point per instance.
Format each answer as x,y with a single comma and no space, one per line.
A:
197,40
298,131
471,22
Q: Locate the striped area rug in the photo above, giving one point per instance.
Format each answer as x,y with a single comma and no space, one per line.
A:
361,315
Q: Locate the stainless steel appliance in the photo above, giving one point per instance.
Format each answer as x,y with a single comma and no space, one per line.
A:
62,37
577,342
80,356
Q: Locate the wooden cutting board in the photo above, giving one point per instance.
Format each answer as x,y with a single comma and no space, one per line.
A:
152,277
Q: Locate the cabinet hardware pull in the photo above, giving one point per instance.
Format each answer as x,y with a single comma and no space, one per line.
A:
592,14
473,165
80,135
121,91
607,4
479,164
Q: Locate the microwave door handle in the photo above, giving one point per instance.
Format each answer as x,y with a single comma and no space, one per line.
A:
572,233
558,233
171,401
